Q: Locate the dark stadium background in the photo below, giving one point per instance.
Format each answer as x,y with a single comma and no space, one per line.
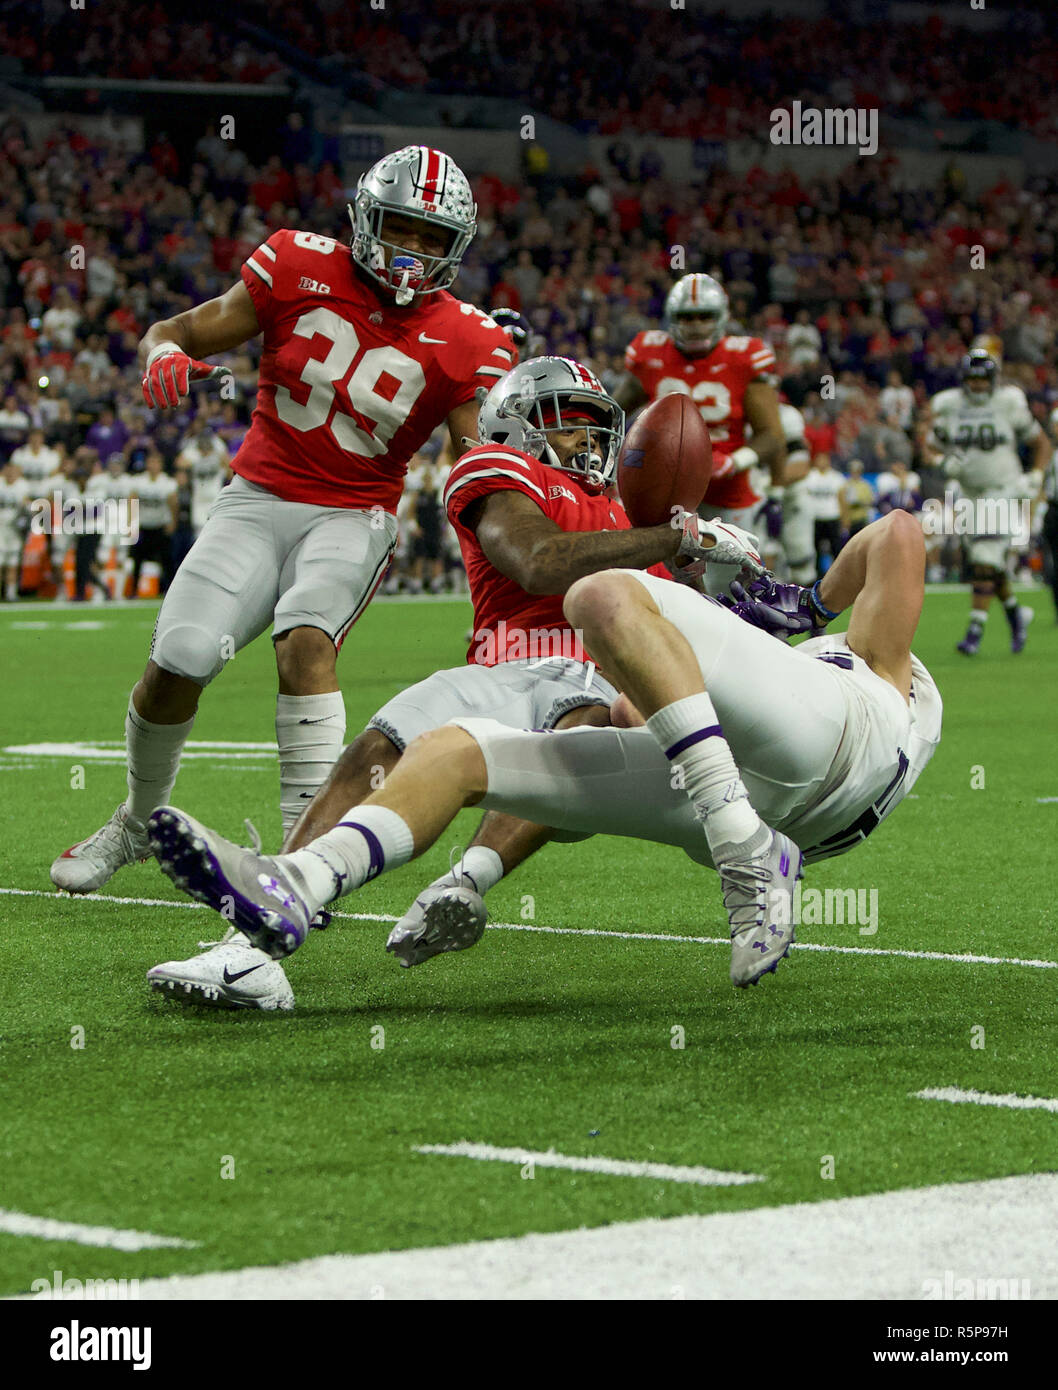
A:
651,132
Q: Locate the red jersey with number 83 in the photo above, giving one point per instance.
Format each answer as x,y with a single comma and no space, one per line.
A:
351,385
716,382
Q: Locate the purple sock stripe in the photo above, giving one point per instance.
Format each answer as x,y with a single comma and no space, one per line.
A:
713,731
374,848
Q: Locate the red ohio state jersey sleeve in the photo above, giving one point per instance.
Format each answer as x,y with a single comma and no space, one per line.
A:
762,364
634,354
487,353
491,468
266,276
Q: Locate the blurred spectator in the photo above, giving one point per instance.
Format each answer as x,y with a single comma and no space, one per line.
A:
897,401
804,342
825,487
859,498
899,489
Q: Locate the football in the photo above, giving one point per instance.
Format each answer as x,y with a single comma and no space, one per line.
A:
665,461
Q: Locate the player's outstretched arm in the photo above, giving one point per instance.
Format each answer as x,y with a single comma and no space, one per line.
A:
218,325
769,442
541,558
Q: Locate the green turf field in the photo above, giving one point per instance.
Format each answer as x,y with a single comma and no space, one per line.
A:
533,1041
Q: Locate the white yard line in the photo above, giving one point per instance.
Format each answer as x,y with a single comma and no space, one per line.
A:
955,1096
19,1223
963,958
615,1167
981,1240
63,611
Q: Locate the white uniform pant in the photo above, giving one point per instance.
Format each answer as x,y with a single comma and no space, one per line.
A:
819,739
261,560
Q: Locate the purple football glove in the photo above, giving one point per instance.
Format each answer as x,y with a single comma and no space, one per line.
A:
784,610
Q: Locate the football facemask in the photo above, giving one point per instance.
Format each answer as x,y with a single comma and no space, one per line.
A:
547,395
696,312
423,184
978,365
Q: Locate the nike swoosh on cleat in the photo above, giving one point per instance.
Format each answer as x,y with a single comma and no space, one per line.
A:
229,978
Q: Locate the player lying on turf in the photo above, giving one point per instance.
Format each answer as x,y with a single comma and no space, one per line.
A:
531,510
365,354
754,757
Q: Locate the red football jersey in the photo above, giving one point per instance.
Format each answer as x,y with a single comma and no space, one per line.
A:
351,385
510,624
717,383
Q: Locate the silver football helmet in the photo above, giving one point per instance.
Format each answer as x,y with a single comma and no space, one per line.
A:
417,182
978,365
696,314
546,394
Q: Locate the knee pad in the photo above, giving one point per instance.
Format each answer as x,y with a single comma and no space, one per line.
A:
191,651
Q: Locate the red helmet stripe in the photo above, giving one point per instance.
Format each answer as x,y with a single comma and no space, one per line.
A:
433,173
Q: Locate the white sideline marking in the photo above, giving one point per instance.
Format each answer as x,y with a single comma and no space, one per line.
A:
616,1167
959,959
110,751
1046,800
892,1245
64,627
18,1223
1008,1102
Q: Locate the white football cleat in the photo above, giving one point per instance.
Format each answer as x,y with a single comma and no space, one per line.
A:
758,893
444,917
85,867
229,974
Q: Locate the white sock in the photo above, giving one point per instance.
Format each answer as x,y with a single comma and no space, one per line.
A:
481,866
368,842
310,731
979,615
690,736
153,752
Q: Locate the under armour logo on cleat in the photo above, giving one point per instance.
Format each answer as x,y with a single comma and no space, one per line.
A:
275,889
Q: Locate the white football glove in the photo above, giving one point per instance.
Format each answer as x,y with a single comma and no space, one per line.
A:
714,542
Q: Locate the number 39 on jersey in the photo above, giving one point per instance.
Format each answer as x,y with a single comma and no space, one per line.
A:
351,385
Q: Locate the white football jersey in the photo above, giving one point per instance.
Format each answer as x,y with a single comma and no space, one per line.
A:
13,497
206,456
36,466
153,495
986,431
822,493
109,487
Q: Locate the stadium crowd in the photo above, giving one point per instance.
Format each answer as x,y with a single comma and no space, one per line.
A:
854,278
647,67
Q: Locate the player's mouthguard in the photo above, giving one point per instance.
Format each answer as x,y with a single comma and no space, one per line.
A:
410,272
